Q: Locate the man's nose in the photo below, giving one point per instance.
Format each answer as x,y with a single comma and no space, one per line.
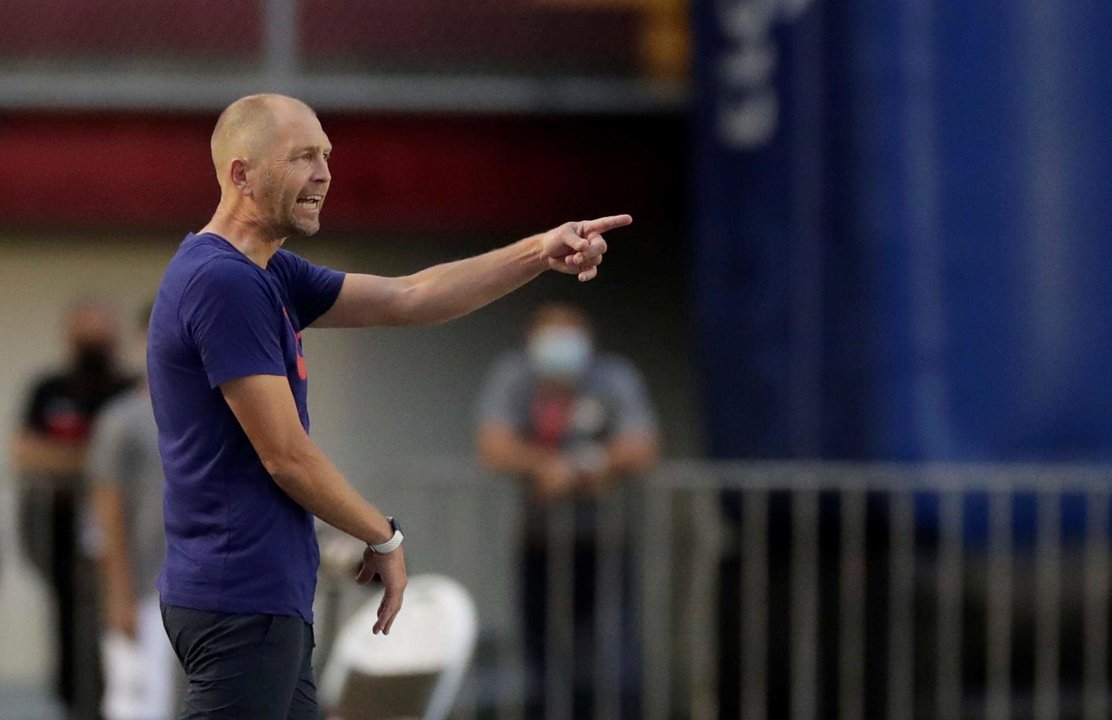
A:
321,172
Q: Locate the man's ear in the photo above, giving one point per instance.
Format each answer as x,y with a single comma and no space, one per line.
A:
238,172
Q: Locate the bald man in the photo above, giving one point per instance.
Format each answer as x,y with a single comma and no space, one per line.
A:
228,381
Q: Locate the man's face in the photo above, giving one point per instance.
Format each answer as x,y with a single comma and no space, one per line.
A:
293,175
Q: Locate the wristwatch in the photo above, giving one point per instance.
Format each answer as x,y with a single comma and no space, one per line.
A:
393,543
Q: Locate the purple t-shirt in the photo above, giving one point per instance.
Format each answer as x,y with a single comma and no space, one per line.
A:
235,542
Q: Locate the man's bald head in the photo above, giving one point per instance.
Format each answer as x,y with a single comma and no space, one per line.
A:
247,127
271,159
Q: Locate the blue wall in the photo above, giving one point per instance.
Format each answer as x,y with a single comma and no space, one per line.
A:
902,222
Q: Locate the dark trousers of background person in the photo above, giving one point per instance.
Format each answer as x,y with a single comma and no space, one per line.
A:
731,610
534,597
49,522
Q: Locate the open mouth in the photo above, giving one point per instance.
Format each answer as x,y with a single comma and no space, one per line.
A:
311,202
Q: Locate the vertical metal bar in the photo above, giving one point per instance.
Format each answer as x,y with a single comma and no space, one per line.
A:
329,594
507,705
9,524
512,672
998,608
754,606
280,60
656,626
948,670
804,605
1048,567
901,637
610,610
504,502
559,648
1096,608
467,707
700,616
851,635
452,511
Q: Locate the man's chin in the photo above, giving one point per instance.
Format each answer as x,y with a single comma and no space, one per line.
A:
307,229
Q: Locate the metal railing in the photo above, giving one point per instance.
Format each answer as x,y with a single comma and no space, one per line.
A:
780,590
769,590
497,56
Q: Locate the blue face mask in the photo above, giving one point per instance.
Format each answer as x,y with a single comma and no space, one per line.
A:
559,353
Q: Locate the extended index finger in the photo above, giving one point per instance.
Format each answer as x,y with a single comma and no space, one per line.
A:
604,224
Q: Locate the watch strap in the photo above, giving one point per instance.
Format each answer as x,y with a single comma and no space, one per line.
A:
393,543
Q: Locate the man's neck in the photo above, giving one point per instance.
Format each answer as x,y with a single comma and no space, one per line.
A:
557,388
244,234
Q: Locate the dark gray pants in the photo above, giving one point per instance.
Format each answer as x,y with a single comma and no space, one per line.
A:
243,666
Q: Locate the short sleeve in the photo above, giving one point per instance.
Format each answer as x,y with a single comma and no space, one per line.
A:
503,391
312,289
108,446
234,320
633,409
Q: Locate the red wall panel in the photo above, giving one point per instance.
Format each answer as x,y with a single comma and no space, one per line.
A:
391,173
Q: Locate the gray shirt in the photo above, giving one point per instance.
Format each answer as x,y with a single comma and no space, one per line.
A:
123,453
610,401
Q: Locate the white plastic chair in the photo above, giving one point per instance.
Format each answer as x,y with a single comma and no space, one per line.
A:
414,672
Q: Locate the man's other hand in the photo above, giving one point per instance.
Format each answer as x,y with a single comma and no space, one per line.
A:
390,568
554,479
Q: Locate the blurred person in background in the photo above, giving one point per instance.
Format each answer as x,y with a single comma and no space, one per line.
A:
49,455
572,423
140,670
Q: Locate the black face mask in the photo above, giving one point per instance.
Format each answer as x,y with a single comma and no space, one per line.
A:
93,361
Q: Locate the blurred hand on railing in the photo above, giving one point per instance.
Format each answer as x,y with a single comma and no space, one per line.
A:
593,474
554,480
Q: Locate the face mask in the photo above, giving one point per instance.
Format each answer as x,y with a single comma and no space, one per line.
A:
93,360
559,354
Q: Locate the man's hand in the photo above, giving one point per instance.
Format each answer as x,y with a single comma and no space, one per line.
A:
554,479
391,570
576,248
450,290
594,482
121,615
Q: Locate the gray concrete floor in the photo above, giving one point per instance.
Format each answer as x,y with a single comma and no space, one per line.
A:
27,702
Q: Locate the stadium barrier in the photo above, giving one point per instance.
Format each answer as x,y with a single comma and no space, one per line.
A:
792,589
783,590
